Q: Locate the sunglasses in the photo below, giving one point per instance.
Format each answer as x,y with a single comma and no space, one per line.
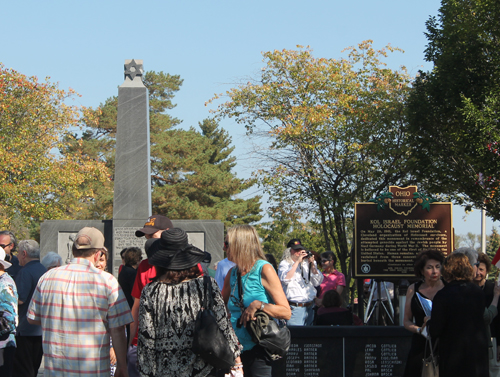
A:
226,244
4,246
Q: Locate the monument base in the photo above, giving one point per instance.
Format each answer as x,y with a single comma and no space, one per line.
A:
57,235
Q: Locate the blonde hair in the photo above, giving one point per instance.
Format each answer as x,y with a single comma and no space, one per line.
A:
244,246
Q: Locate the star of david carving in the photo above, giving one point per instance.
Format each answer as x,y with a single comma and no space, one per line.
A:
133,69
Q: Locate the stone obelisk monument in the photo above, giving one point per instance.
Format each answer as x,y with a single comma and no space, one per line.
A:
132,195
132,187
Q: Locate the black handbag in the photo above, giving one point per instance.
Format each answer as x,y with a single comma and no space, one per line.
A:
209,341
274,338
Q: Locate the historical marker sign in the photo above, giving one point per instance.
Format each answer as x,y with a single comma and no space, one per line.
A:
394,227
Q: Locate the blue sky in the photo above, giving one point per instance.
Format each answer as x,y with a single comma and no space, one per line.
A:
212,45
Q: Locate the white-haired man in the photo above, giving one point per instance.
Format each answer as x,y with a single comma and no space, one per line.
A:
28,337
299,276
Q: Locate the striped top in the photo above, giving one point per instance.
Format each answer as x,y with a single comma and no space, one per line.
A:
77,304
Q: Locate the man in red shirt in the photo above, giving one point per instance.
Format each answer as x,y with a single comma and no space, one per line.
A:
153,228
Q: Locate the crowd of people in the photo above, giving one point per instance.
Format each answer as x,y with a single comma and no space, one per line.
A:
84,321
453,307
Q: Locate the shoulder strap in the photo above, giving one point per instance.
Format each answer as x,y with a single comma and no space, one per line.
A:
240,286
207,285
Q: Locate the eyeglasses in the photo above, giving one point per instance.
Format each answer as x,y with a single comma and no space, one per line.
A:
4,246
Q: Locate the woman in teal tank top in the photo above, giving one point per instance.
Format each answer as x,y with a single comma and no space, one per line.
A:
261,289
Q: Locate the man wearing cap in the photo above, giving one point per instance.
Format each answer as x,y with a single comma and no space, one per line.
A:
28,337
152,229
299,276
78,307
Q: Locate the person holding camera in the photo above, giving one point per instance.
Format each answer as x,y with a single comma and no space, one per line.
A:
299,276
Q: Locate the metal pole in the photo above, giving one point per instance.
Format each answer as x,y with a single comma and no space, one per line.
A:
483,231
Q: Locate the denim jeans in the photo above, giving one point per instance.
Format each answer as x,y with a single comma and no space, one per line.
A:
301,316
132,362
256,363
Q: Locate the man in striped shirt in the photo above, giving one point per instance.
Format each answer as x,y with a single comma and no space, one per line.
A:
78,307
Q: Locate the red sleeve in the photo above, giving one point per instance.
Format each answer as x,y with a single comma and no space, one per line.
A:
144,274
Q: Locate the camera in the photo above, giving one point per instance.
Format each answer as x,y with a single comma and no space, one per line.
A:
309,254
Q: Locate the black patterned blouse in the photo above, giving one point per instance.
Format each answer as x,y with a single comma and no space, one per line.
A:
166,322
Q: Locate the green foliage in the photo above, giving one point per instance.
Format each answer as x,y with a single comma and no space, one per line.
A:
193,178
192,174
35,183
275,235
333,134
453,110
492,245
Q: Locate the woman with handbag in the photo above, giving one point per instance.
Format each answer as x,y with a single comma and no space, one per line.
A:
169,308
260,290
427,267
457,321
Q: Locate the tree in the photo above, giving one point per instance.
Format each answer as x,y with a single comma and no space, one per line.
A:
98,138
193,178
334,133
36,182
492,246
453,110
275,235
192,175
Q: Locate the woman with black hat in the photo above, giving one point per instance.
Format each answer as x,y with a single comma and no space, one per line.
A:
261,290
168,309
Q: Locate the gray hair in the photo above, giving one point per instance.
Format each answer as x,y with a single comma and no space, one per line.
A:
469,253
287,256
51,259
13,238
31,247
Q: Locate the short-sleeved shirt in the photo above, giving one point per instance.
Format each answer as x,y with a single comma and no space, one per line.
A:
26,281
8,305
145,272
223,268
77,305
331,281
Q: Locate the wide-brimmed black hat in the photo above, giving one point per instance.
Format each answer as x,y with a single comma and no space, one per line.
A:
173,252
147,246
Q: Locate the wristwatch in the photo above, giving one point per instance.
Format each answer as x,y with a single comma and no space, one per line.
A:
262,305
